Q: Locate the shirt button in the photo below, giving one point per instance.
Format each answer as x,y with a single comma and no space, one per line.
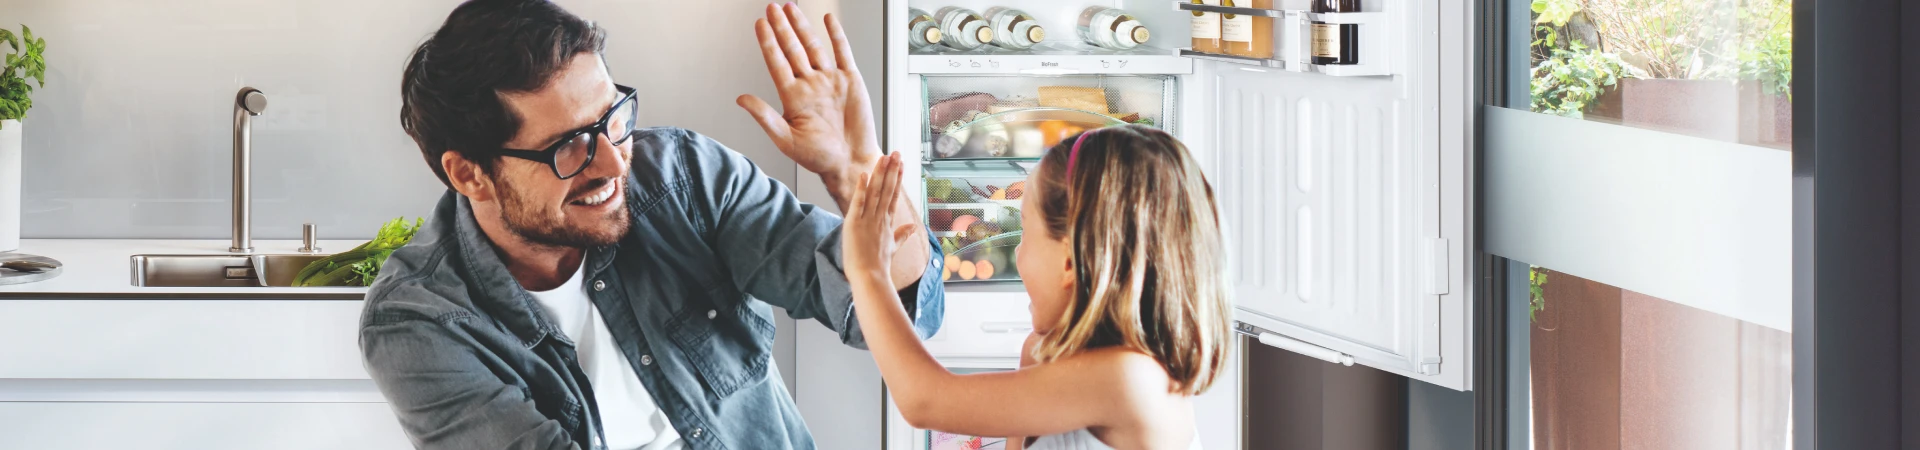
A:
697,432
646,360
599,285
711,314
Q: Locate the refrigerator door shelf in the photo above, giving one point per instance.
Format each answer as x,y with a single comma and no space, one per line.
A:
1292,34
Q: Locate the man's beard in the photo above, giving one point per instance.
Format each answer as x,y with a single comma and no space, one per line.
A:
538,223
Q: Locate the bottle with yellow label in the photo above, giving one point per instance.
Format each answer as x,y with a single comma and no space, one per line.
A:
1245,34
1206,29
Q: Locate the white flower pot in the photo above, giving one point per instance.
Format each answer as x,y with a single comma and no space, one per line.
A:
9,185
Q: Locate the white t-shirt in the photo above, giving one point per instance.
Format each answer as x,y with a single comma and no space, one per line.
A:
627,412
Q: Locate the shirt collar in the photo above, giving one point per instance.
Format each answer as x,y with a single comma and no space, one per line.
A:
491,287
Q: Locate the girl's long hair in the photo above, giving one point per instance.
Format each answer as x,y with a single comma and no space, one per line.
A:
1140,222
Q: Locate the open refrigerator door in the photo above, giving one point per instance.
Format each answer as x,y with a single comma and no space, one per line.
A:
1341,168
1334,131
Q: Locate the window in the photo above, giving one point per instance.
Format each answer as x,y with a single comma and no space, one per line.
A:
1636,176
1717,69
1612,368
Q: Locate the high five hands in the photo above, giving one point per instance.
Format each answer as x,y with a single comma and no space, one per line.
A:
827,126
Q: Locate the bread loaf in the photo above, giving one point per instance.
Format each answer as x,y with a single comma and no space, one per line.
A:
1091,99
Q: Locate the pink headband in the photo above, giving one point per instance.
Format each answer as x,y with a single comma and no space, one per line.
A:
1074,156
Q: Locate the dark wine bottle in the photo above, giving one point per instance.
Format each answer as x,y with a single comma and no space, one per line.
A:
1334,43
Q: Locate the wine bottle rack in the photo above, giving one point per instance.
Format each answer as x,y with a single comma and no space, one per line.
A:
1291,30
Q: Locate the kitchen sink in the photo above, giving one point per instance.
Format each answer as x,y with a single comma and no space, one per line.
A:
219,270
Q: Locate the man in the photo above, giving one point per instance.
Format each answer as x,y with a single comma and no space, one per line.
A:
587,284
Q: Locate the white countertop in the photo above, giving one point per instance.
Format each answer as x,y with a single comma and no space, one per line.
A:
102,268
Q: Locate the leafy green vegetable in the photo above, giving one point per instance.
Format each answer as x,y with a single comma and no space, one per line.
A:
26,61
360,266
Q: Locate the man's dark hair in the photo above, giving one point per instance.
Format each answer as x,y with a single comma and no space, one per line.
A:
451,90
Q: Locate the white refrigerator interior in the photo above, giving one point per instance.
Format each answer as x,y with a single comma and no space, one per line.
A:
1345,189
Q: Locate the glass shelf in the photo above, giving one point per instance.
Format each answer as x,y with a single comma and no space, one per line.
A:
1049,58
1018,133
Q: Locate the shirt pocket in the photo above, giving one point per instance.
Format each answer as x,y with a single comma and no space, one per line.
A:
728,343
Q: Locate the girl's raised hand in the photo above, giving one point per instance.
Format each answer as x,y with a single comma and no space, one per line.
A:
869,236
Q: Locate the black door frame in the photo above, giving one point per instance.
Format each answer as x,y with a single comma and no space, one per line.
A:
1856,225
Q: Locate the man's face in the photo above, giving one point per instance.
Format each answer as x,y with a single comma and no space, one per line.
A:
588,209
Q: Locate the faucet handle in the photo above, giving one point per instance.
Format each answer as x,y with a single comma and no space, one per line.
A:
309,238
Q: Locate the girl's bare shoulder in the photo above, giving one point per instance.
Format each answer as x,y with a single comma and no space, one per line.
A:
1131,374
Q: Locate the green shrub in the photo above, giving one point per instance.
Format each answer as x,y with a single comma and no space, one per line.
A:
1568,82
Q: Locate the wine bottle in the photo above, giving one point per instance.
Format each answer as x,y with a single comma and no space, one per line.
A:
1335,43
963,29
1248,35
1111,28
926,32
1206,29
1013,29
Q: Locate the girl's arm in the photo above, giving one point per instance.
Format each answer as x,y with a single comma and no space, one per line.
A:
1094,389
1026,360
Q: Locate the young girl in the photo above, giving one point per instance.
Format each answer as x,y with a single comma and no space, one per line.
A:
1122,259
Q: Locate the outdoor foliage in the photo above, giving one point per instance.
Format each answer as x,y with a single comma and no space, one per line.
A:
1569,81
26,61
1536,292
1769,57
1664,39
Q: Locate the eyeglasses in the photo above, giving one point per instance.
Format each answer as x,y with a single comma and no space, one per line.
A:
574,151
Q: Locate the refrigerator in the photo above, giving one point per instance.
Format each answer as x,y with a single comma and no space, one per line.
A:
1345,189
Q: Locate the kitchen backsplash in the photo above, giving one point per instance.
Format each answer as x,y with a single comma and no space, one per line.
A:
132,135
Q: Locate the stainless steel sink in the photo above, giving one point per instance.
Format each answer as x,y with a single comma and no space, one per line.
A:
219,270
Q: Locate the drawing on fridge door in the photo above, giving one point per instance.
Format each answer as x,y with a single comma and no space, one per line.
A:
937,440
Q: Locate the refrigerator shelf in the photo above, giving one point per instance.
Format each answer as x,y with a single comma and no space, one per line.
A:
975,205
1184,6
1140,61
969,166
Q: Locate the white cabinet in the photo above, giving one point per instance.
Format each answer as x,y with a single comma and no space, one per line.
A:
188,374
199,426
180,339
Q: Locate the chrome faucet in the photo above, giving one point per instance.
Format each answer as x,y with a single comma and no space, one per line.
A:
250,102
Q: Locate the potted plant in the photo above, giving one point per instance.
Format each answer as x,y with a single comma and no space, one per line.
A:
1697,67
24,61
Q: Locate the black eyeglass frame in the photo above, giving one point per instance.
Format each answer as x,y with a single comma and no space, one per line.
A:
550,156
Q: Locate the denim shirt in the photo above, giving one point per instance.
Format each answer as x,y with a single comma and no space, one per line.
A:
468,360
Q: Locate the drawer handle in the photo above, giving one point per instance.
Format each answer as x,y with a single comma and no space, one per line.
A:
1007,327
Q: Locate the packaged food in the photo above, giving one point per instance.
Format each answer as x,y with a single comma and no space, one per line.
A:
1091,99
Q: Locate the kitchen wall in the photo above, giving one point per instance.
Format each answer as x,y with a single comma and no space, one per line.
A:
131,137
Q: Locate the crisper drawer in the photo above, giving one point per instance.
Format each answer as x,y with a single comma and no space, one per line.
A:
975,214
956,103
983,323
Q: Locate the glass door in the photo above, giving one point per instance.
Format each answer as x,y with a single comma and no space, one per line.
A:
1637,182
